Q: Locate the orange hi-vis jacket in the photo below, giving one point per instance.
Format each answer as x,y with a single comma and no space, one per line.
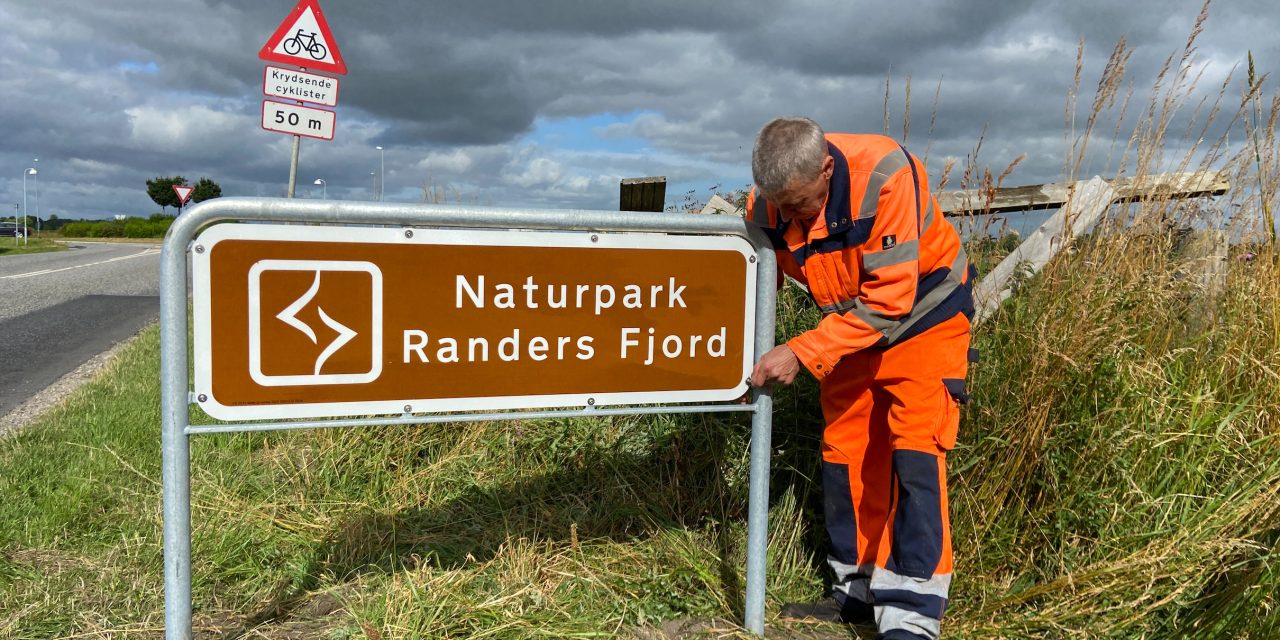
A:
880,261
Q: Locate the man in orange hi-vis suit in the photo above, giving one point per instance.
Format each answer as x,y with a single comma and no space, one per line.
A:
852,218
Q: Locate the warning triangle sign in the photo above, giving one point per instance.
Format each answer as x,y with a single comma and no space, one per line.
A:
184,193
304,40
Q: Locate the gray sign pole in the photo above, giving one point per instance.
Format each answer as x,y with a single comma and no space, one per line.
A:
761,443
175,369
175,465
293,164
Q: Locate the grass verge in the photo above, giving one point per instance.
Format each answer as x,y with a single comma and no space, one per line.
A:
32,245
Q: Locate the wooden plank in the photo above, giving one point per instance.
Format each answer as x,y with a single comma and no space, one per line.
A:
1053,195
1083,209
719,205
642,194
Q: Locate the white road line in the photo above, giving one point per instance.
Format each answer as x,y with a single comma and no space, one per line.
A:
144,252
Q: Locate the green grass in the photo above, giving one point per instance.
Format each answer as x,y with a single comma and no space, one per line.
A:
31,245
1116,479
529,528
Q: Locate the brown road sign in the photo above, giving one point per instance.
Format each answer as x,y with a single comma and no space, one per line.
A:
313,321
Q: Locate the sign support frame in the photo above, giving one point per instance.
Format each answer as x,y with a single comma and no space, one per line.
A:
175,370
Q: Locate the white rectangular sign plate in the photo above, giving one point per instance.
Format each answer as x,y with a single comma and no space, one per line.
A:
292,84
298,120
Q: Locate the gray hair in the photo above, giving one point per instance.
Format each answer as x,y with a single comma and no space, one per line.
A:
786,149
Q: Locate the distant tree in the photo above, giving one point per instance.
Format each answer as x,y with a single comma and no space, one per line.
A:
206,189
161,191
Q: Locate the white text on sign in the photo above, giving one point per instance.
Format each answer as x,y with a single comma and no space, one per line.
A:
297,120
472,293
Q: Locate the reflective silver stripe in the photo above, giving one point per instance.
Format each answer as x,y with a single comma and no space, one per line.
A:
928,214
955,278
890,618
926,304
894,328
873,319
886,580
852,580
905,252
857,589
884,170
843,570
839,307
960,265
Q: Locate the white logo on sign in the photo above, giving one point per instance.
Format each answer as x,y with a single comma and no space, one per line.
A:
305,41
289,316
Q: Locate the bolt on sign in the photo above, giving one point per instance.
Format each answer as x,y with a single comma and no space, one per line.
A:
298,322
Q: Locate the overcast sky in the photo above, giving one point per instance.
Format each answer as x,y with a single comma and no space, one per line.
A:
550,103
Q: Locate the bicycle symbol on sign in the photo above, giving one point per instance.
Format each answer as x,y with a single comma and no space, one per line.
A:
305,41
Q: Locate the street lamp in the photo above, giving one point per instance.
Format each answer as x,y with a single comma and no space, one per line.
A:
324,188
37,181
382,181
29,172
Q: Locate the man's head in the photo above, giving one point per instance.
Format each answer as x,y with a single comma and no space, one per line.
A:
791,167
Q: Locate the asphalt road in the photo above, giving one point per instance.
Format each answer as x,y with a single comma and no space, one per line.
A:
59,309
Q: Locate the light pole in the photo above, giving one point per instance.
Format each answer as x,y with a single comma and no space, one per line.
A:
382,180
37,182
324,188
373,177
29,172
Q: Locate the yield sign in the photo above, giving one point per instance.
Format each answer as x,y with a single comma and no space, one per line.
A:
304,40
184,193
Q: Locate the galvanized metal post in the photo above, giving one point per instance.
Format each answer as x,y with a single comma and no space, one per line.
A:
761,445
175,453
175,385
293,164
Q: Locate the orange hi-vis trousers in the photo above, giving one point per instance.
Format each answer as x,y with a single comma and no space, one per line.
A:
891,416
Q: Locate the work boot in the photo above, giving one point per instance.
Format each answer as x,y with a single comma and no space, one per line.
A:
829,609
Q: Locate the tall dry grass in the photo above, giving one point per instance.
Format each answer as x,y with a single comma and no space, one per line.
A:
1120,474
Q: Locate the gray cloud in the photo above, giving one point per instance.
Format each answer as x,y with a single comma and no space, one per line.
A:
110,94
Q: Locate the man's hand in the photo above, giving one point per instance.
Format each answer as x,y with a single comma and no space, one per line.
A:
780,365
